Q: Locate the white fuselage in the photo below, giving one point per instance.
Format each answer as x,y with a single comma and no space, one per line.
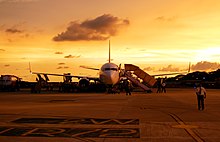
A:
109,74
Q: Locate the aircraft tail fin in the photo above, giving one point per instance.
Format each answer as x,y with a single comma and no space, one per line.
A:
109,53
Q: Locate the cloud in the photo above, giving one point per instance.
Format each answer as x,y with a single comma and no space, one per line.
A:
59,68
58,52
148,69
100,28
13,31
71,56
62,66
9,40
169,68
205,66
7,65
166,19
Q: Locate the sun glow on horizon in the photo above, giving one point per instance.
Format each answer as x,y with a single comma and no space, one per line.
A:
208,54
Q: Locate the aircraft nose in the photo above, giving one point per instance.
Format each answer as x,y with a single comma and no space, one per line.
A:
110,75
109,78
112,78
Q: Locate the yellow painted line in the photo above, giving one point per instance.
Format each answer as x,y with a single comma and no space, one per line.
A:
185,126
188,128
6,130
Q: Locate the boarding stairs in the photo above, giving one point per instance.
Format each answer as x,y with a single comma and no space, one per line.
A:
148,81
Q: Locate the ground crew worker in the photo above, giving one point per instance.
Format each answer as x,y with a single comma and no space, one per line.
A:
127,87
201,95
159,85
163,87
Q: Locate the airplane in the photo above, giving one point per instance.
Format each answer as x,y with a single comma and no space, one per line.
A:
108,74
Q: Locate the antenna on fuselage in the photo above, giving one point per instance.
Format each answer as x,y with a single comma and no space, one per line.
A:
109,54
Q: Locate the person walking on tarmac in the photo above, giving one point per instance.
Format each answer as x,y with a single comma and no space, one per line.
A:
159,85
127,87
163,86
201,95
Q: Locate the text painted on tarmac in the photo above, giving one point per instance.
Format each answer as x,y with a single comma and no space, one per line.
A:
87,121
71,132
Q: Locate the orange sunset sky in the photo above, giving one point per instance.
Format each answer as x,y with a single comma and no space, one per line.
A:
57,36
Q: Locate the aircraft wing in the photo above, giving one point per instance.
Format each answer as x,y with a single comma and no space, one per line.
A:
66,75
176,73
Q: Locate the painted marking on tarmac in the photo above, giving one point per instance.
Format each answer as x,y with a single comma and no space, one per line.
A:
187,128
87,121
71,132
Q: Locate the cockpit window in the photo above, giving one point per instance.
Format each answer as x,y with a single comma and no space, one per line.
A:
113,69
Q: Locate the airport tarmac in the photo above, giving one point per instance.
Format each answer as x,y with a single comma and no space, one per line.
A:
101,117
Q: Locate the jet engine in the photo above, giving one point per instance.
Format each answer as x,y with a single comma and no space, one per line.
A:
84,83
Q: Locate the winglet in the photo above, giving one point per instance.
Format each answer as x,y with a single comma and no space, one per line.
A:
189,67
30,68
